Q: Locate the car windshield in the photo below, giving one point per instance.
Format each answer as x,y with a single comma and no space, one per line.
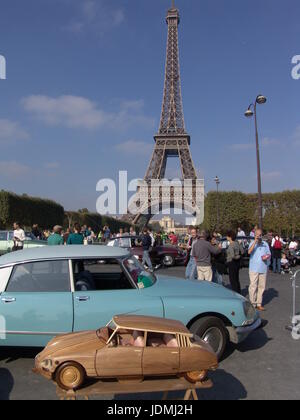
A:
140,276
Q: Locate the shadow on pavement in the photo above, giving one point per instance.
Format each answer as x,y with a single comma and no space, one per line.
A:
257,340
6,384
10,354
270,295
226,387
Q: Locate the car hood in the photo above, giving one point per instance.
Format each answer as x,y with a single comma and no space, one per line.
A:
171,286
63,342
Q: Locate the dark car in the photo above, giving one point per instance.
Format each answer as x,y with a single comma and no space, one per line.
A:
166,255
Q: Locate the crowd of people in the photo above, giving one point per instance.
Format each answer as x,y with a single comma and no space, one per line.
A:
210,257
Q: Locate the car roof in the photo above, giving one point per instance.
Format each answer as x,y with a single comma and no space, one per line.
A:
63,252
151,324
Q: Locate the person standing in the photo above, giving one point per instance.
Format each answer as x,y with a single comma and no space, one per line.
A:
233,260
36,232
146,243
106,233
260,255
173,239
191,267
152,238
56,237
77,237
202,251
132,232
276,246
240,233
18,238
252,233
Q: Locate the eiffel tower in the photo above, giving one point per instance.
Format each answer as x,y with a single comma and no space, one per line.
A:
172,140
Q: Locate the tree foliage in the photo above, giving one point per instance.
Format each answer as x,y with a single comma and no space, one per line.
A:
281,211
29,210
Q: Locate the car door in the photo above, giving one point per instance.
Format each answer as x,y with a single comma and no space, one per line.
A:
112,293
37,303
119,361
160,360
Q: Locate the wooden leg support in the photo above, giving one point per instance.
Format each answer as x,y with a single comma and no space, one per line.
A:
191,394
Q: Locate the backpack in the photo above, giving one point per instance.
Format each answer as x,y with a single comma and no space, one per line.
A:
277,244
237,251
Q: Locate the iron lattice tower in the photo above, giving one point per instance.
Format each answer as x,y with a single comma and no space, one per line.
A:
172,139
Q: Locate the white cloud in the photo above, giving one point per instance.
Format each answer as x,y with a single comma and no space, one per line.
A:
13,169
271,175
78,112
66,110
133,147
270,142
241,146
95,15
51,165
11,131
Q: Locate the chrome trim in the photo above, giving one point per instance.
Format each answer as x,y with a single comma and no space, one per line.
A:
3,285
250,328
71,276
33,333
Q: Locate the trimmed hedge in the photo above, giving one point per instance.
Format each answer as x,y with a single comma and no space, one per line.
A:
94,220
28,211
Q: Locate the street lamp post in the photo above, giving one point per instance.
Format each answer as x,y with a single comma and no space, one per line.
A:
260,99
218,182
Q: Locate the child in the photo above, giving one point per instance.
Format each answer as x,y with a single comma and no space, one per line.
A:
285,262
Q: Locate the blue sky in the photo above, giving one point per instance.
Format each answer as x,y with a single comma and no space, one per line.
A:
83,94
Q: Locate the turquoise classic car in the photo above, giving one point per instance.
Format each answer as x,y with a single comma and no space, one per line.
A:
48,291
7,243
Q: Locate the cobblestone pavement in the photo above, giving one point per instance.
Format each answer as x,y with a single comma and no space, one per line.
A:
265,366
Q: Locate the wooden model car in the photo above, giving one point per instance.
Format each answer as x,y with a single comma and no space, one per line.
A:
128,348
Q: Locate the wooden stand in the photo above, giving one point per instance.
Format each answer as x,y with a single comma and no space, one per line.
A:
147,386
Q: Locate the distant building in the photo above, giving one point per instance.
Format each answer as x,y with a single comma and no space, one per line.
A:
169,225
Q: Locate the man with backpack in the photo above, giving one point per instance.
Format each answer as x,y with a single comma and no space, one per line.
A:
276,246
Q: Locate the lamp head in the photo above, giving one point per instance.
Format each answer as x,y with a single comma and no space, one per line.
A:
261,99
217,180
249,113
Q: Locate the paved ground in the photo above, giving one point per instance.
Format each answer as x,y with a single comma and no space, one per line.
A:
266,366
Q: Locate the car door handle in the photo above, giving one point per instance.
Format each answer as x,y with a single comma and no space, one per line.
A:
83,298
8,300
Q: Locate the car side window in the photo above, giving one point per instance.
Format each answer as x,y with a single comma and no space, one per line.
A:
97,275
161,340
3,236
39,277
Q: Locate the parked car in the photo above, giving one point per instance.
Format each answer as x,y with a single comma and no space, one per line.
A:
7,243
166,255
297,256
48,291
130,347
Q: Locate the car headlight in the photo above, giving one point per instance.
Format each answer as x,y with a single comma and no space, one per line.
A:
47,364
250,312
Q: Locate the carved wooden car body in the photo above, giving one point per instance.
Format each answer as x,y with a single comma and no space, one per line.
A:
128,348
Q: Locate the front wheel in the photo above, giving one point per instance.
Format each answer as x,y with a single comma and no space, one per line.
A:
168,261
70,376
196,376
212,330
